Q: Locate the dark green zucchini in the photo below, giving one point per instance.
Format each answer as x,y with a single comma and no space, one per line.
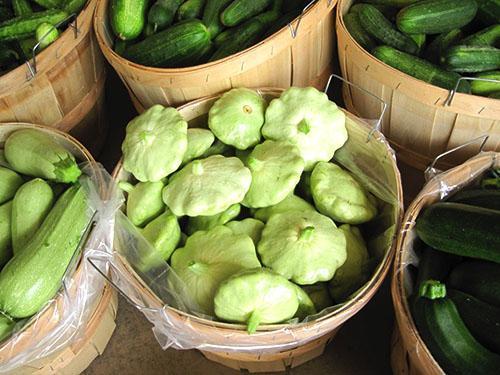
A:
485,198
434,265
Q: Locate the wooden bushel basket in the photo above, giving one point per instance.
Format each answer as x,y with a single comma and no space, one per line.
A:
281,60
313,335
418,123
409,352
74,358
67,90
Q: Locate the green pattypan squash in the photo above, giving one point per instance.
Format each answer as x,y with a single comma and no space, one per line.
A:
306,305
207,186
218,148
290,203
276,168
208,222
339,195
353,272
198,142
144,201
255,297
208,258
155,143
319,295
237,117
164,234
305,247
305,117
251,227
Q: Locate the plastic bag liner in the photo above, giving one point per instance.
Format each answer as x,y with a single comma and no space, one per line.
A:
63,320
152,286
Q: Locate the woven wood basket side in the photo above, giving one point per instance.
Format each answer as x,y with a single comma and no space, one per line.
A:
278,61
417,123
419,357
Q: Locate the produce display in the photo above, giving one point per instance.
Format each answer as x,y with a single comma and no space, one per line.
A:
436,41
250,211
44,213
456,304
176,33
26,23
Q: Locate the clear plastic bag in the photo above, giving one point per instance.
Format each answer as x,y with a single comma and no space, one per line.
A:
63,320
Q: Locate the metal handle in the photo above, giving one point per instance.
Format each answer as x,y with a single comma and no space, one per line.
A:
294,30
384,104
452,93
430,171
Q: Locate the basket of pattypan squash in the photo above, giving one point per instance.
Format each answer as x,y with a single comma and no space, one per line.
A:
256,222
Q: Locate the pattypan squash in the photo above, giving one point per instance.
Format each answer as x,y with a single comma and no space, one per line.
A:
257,296
198,142
303,246
164,234
339,195
305,117
250,226
319,295
290,203
155,143
208,222
144,201
237,117
207,186
208,258
306,305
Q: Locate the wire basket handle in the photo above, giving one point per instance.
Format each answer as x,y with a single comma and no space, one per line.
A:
453,91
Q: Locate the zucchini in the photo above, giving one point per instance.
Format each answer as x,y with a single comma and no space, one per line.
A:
34,276
34,153
128,18
471,59
241,10
49,4
419,68
440,44
21,7
482,319
191,9
486,37
10,181
479,197
175,46
478,278
374,22
353,25
434,265
30,206
488,12
5,233
162,13
74,6
211,16
20,27
435,16
392,3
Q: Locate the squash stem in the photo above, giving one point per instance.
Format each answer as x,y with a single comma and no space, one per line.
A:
253,322
432,289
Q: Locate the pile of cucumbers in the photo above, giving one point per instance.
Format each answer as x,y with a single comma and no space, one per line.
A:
25,23
436,41
177,33
44,213
456,306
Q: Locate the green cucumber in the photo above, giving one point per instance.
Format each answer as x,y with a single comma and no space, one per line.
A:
5,14
34,276
440,44
30,206
482,319
46,34
436,16
6,326
485,88
374,22
21,7
488,12
211,16
486,198
486,37
191,9
8,56
26,47
20,27
419,40
471,59
225,36
353,25
49,4
10,181
479,278
241,10
392,3
461,229
5,233
173,47
162,13
128,17
74,6
419,68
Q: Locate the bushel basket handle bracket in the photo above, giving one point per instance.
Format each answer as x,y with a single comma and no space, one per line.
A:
452,93
295,30
378,124
431,171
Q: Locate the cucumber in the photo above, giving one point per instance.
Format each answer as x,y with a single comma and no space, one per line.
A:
374,22
486,37
175,46
435,16
461,229
162,13
495,95
74,6
34,276
8,56
479,197
479,278
34,153
440,44
486,88
211,16
6,326
471,59
26,47
419,68
225,36
5,233
392,3
482,319
30,206
191,9
49,4
448,339
488,12
353,25
128,18
20,27
21,7
5,14
10,181
241,10
419,40
46,34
